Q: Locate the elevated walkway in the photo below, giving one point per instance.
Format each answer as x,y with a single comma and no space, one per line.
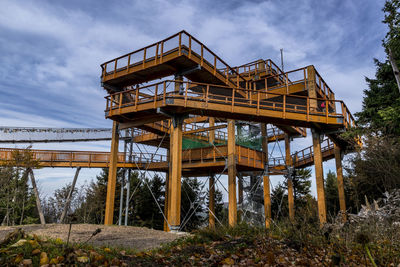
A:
195,162
292,110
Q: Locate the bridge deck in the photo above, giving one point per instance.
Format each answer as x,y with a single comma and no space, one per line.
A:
195,162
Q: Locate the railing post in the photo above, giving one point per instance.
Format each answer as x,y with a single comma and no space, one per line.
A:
162,52
326,110
180,44
129,63
190,46
155,59
155,96
164,92
284,106
136,98
144,58
115,67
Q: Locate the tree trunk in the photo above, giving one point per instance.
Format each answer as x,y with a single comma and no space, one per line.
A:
39,207
395,68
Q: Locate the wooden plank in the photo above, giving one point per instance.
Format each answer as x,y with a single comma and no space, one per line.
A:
112,176
232,212
289,182
319,177
340,184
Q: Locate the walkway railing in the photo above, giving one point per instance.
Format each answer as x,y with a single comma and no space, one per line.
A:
305,107
183,43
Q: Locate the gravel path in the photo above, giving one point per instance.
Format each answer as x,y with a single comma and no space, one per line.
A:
139,238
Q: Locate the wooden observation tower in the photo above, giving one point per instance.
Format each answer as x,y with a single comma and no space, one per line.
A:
164,91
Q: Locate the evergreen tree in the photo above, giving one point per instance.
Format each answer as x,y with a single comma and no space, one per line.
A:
17,201
331,194
381,104
192,207
301,193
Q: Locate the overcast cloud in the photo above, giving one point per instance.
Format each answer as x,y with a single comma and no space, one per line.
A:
50,51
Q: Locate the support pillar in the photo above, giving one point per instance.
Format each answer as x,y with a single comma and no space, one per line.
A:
289,177
339,175
267,193
38,205
112,176
167,207
319,176
232,174
176,172
211,202
69,197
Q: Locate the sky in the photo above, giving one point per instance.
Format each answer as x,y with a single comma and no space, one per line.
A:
51,51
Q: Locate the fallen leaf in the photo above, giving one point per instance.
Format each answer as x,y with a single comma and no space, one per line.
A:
27,262
34,243
19,258
44,259
19,243
83,259
54,261
228,261
35,251
107,250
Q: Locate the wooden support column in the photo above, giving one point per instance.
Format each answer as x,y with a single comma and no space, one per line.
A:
289,181
167,195
232,174
38,205
112,176
319,176
71,191
176,173
267,193
339,175
211,202
312,87
211,187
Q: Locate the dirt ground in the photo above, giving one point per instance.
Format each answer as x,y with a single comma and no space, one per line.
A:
139,238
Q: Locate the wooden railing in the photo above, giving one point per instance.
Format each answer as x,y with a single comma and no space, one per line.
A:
285,104
180,42
256,67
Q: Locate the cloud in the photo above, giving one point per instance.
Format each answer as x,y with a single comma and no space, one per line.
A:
51,51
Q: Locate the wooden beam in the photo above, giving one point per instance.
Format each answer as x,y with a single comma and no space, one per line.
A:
205,129
112,176
266,185
319,176
232,174
312,87
211,134
288,158
211,202
196,119
69,197
38,205
176,173
339,175
167,196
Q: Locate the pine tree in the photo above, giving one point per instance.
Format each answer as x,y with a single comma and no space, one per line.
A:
381,104
331,194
